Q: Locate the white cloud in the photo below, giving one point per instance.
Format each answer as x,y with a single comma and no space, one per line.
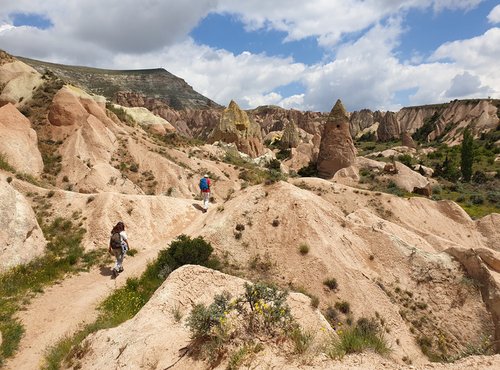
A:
479,54
365,72
117,25
466,85
5,27
494,16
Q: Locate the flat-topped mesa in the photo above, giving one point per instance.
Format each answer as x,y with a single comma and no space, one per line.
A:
337,149
236,127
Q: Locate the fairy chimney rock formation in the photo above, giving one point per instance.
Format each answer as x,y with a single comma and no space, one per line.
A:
407,140
336,149
236,127
290,137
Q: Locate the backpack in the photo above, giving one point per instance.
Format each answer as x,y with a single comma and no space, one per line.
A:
116,241
204,184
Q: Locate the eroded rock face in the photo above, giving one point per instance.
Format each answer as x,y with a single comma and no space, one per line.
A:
336,149
21,239
149,121
407,140
290,137
236,127
360,120
17,82
18,141
388,127
196,123
483,265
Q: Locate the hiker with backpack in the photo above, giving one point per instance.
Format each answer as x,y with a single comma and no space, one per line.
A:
118,246
205,191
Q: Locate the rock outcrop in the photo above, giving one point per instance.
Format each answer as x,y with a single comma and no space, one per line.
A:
388,127
290,137
407,140
90,141
18,141
17,82
21,239
360,120
236,127
483,265
148,120
336,149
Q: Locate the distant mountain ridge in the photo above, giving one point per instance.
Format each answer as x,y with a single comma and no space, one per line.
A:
155,83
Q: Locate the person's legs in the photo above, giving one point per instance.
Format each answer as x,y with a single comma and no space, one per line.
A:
206,199
119,259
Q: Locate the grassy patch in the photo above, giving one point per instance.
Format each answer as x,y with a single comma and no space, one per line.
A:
365,335
4,164
64,255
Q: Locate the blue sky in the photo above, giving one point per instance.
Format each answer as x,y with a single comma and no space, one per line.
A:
376,54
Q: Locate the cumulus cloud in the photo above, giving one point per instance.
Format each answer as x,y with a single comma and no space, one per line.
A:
466,85
362,69
117,25
494,16
477,54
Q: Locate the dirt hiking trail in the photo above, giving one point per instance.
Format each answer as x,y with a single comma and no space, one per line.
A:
65,307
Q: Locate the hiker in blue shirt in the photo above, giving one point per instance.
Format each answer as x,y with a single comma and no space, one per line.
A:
205,191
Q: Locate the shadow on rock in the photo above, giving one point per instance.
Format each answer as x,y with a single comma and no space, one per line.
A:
198,207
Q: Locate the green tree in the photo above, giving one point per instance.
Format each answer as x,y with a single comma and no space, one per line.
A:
467,155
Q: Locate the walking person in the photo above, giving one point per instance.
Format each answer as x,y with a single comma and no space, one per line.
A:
205,191
118,246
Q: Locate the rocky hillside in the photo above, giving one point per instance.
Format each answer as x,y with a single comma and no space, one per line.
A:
158,84
430,122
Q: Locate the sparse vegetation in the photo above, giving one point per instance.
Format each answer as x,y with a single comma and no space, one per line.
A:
331,283
343,306
365,335
261,311
304,249
4,164
64,255
125,302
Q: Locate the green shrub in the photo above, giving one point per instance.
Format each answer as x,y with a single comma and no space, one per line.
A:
310,170
265,307
301,339
331,315
406,159
303,249
314,301
479,177
186,251
4,164
203,319
331,283
274,164
365,335
343,306
283,154
476,199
